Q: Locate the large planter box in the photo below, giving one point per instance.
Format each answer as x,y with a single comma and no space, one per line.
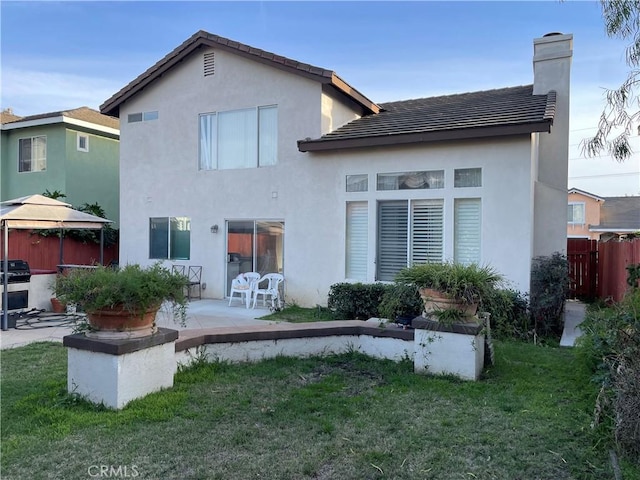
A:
456,349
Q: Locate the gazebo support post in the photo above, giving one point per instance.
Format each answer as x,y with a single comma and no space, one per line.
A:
5,276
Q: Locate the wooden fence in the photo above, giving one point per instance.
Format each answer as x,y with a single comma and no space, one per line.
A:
43,253
582,255
613,259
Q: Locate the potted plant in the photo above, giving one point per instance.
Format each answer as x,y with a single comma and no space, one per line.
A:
123,302
451,291
400,303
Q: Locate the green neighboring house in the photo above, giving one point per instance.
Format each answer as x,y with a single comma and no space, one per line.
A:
75,152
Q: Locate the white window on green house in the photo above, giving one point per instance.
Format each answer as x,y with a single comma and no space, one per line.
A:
357,234
245,138
575,213
408,233
169,238
82,142
32,154
467,230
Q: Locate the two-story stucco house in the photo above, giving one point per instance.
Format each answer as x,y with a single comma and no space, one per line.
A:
75,152
238,159
601,218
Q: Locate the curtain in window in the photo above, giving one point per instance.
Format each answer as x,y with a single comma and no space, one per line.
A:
392,239
427,231
207,142
237,133
357,240
39,154
267,136
467,231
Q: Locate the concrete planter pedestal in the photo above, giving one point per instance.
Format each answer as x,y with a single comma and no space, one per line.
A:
114,372
456,349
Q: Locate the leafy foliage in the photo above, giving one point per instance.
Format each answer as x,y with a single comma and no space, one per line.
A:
549,289
110,234
469,283
132,286
622,20
357,301
509,314
400,300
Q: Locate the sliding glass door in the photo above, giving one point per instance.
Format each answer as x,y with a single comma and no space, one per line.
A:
254,246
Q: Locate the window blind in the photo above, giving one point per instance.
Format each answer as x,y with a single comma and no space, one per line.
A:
467,230
427,235
392,239
356,241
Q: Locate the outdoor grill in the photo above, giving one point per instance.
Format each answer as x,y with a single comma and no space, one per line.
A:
18,272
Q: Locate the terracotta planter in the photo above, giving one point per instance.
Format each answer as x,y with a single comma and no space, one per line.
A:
57,306
435,300
118,322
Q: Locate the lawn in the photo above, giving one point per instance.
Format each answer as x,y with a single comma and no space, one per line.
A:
341,417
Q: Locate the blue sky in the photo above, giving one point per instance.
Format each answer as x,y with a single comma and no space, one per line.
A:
62,55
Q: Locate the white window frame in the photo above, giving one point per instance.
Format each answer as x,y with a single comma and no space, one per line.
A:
260,148
173,225
39,162
573,206
79,138
357,240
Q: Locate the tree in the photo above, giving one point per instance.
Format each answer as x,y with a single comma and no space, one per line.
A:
622,20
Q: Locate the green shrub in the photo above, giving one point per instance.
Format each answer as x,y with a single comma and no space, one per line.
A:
549,289
400,300
610,346
355,301
509,314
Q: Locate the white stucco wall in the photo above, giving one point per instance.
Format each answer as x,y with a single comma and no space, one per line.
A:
160,178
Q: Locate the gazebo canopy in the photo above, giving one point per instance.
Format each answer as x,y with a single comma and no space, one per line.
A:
40,212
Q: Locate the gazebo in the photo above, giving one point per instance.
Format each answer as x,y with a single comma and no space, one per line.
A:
40,212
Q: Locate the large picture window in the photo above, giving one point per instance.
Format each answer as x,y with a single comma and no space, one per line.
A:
408,233
245,138
32,154
169,238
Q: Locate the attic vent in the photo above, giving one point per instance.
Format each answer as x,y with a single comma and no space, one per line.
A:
208,64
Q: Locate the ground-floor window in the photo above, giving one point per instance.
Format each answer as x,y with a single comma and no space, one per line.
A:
357,230
466,247
169,238
254,246
408,232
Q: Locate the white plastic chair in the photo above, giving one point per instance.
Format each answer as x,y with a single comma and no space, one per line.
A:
272,289
244,285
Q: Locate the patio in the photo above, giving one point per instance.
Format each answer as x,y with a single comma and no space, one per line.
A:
200,314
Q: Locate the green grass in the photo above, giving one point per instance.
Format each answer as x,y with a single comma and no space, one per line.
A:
296,314
341,417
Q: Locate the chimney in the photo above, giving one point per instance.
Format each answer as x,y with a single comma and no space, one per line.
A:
551,72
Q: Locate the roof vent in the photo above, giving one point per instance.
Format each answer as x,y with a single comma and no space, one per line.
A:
208,64
552,34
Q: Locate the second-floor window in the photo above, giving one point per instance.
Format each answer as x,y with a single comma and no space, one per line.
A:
575,214
32,154
245,138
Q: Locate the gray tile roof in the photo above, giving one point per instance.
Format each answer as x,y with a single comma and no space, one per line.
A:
505,111
85,114
619,214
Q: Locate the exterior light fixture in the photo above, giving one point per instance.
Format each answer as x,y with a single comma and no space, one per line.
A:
214,228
